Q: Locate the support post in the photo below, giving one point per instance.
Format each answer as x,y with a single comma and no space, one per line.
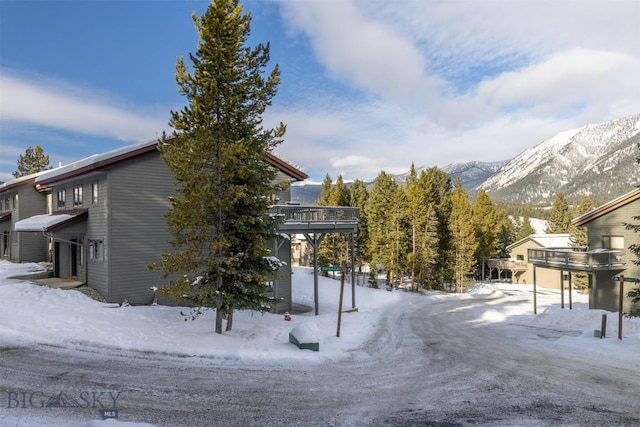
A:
315,271
535,302
343,271
561,289
620,302
353,271
570,297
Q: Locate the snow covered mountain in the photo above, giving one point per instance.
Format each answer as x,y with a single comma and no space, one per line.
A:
472,174
598,160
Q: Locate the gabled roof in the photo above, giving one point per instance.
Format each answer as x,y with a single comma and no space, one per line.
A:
545,241
614,204
97,162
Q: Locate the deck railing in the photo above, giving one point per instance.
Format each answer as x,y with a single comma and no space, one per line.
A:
317,214
599,259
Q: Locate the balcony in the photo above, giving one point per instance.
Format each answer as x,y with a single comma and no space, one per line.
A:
305,218
577,260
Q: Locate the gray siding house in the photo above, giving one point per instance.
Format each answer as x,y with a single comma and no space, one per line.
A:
20,200
107,221
606,232
607,255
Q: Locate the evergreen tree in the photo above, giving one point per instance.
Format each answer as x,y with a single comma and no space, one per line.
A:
220,218
635,249
506,233
579,239
333,248
579,236
423,223
436,186
381,213
486,227
525,228
325,192
34,160
560,216
463,235
358,196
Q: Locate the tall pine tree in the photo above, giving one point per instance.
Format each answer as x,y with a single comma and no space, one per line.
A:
560,216
34,160
220,218
358,196
486,226
333,248
463,235
381,212
436,186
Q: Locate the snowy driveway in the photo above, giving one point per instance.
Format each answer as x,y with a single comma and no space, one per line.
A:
435,364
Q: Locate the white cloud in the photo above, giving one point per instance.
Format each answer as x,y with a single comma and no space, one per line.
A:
56,104
460,80
578,77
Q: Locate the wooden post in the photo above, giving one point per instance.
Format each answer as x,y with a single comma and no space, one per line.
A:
561,289
343,270
621,300
570,297
535,303
315,271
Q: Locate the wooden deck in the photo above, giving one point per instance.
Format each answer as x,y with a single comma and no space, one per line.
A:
577,260
300,219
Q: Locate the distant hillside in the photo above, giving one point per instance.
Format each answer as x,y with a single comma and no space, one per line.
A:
598,160
471,175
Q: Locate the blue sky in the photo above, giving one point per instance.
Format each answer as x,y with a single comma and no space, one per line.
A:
367,85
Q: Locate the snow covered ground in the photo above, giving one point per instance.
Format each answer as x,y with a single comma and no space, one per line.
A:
32,314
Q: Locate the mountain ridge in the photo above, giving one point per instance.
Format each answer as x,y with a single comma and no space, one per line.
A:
597,160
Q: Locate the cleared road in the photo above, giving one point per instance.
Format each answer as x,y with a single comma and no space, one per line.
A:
434,365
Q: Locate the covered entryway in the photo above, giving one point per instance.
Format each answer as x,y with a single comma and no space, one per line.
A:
65,232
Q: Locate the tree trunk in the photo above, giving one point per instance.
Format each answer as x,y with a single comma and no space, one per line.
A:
229,320
219,317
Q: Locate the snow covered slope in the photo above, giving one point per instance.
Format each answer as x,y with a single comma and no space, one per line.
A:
598,160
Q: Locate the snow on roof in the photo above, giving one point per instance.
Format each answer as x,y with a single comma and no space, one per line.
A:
546,240
92,160
42,222
552,240
13,183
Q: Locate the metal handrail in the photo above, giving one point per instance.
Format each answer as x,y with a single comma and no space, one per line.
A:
316,214
600,258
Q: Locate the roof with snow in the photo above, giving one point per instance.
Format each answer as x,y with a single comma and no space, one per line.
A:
19,182
48,222
545,241
99,161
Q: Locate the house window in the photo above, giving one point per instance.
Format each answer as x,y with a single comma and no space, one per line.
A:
62,199
96,250
613,242
77,196
15,201
94,193
520,257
